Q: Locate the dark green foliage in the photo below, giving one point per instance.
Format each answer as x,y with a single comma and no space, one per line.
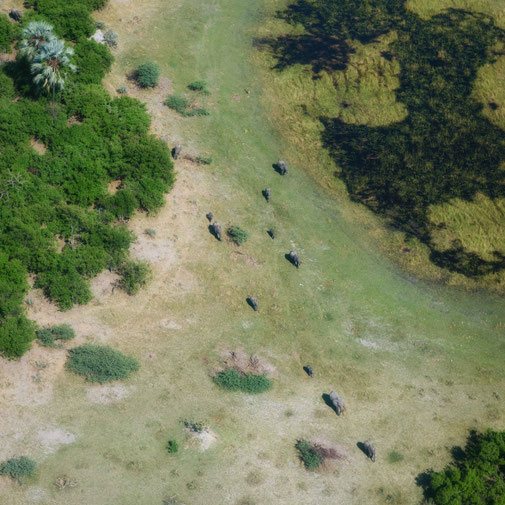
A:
93,61
200,86
183,106
237,234
71,18
476,478
63,193
445,148
134,275
246,382
172,446
148,74
8,33
308,454
17,468
101,364
47,336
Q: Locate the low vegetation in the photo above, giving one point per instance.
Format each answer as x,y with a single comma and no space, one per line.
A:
200,86
148,74
134,275
234,380
476,477
172,446
101,364
308,454
59,192
18,468
8,33
184,107
48,337
237,234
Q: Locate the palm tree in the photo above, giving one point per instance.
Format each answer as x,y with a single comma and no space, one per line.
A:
33,36
51,64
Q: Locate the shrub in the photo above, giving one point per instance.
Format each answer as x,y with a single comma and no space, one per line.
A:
234,380
122,90
110,38
204,160
237,234
134,275
47,336
200,86
8,33
183,106
148,74
17,468
308,454
172,446
177,103
16,335
101,364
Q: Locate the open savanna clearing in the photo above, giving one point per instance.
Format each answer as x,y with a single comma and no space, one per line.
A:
418,365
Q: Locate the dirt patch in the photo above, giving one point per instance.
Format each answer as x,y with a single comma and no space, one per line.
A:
38,146
170,325
157,250
113,187
247,363
104,284
246,258
107,394
368,343
203,439
52,439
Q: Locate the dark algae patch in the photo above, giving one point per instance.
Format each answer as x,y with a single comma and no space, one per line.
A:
445,147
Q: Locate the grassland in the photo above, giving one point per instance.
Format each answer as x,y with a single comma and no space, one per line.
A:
419,365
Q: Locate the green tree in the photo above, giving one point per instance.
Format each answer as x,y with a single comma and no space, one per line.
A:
51,65
33,37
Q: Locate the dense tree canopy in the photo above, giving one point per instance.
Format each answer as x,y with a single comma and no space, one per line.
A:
58,219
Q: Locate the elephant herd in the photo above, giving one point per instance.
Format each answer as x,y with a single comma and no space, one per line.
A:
334,400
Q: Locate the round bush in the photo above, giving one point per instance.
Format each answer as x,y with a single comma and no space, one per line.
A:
172,446
308,454
148,74
17,468
101,364
237,234
234,380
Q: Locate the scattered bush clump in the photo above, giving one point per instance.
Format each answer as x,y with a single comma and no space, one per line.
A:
184,107
204,160
478,477
110,38
48,336
101,364
308,454
172,446
148,74
237,234
234,380
134,275
17,468
200,86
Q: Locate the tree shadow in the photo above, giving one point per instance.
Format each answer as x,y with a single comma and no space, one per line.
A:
444,149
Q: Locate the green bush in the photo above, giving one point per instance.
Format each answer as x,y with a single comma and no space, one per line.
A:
16,335
183,106
8,33
48,336
134,275
101,364
93,61
200,86
177,103
234,380
237,234
17,468
172,446
148,74
308,454
476,478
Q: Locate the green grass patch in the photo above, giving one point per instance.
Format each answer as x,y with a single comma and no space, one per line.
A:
101,364
233,380
395,457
